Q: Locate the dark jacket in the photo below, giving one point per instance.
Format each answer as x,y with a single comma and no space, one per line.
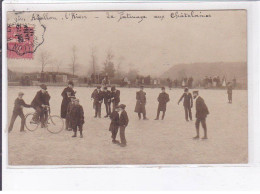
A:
66,100
201,108
229,89
18,105
76,115
97,96
140,102
107,96
123,119
115,95
41,99
163,98
70,106
114,116
187,99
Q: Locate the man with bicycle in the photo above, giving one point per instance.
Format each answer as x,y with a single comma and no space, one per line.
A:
41,103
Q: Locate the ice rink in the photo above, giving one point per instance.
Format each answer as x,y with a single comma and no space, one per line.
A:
149,142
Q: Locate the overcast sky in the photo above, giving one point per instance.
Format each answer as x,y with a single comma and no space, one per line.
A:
151,46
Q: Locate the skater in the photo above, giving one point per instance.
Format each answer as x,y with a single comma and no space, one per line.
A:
107,101
18,111
229,92
97,96
67,93
40,103
201,114
187,103
163,99
77,118
114,125
140,103
70,106
115,97
123,122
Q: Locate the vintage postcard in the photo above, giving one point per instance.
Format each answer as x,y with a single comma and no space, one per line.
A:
127,87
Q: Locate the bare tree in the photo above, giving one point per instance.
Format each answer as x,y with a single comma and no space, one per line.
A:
45,59
74,58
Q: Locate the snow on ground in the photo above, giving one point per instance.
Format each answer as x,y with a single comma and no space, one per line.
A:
149,142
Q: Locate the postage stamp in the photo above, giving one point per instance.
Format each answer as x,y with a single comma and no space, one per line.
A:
20,41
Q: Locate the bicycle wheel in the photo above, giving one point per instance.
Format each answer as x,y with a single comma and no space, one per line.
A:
55,124
29,123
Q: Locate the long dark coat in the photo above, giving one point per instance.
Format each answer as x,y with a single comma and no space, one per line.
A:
41,99
163,98
140,102
201,108
114,116
65,101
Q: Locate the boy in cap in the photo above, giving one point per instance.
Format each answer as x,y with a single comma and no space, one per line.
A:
97,96
187,103
18,111
201,114
163,99
77,118
39,103
70,106
114,125
123,122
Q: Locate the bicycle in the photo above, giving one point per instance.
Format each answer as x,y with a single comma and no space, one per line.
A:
54,124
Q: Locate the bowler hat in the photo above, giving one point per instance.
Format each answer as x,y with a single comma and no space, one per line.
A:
122,106
71,83
43,86
20,94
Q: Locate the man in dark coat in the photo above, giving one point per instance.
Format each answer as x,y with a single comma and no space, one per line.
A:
67,93
115,97
18,111
77,118
140,103
123,122
114,125
201,114
107,101
163,99
97,96
229,92
40,103
187,103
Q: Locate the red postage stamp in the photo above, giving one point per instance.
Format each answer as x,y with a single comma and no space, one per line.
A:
20,41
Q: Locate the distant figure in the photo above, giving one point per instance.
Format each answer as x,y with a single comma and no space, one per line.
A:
77,118
163,99
123,122
229,92
114,124
224,84
67,93
201,114
140,103
18,111
107,101
115,97
187,103
97,96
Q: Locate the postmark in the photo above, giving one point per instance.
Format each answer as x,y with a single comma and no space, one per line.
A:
20,41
